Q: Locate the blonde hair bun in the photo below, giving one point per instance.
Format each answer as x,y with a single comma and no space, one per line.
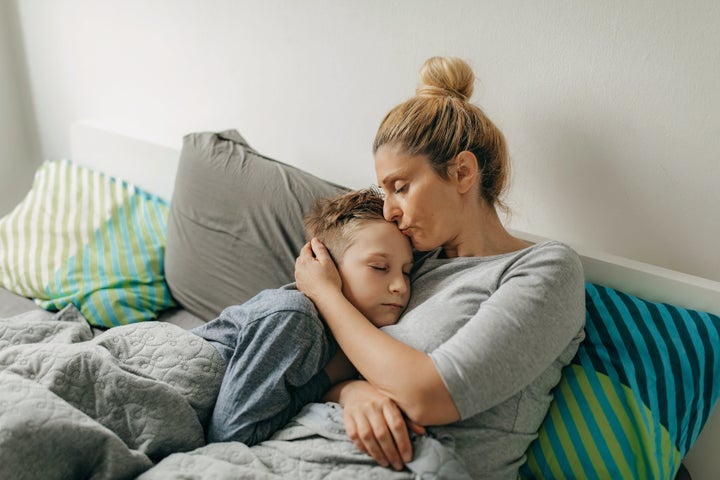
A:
446,76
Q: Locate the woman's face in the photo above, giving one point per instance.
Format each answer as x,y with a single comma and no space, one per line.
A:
422,204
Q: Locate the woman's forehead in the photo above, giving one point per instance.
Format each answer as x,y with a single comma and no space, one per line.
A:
393,164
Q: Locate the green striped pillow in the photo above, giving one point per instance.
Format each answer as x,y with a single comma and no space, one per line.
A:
85,238
637,394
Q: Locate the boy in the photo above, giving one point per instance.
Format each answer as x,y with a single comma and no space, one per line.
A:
279,355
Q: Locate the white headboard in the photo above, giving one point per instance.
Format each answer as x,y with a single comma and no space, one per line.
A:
647,281
152,167
147,165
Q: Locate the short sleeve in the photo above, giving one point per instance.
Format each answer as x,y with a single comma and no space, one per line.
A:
532,323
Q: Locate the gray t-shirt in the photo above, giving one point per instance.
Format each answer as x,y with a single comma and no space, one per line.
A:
499,330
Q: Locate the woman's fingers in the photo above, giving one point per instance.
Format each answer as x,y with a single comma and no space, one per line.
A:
375,424
305,255
383,435
415,427
351,430
315,271
386,445
320,250
362,435
398,430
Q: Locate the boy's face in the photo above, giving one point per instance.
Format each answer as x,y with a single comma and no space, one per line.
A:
375,272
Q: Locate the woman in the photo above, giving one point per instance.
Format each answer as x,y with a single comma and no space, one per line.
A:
493,319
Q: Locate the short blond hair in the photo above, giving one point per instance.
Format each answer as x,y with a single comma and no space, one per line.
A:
439,122
335,220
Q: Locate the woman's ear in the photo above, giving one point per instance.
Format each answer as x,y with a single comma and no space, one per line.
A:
466,171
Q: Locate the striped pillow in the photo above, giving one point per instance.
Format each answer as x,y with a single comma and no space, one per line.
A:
637,394
85,238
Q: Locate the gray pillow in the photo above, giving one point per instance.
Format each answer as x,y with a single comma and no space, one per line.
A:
235,222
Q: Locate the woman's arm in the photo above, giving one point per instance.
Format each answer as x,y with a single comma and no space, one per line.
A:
406,376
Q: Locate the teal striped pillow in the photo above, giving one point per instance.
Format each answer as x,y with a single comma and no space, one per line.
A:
85,238
637,394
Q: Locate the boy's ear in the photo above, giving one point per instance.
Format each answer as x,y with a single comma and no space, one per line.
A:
465,171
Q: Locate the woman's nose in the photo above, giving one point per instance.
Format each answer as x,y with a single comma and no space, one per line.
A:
390,210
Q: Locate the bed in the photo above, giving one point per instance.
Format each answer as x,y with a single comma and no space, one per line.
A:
128,244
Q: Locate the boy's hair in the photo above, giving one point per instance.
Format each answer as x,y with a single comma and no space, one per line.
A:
335,220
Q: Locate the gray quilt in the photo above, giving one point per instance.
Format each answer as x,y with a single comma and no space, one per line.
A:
131,403
312,446
74,406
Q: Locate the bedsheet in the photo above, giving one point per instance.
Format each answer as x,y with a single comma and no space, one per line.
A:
74,406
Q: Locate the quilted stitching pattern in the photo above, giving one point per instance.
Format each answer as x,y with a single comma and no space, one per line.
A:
141,391
170,355
34,327
29,445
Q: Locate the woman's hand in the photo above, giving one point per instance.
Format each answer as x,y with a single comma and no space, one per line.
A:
315,271
376,425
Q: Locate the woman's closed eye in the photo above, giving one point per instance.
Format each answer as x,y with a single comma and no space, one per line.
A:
380,268
400,188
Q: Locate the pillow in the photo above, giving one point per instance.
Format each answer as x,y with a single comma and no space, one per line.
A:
636,395
235,224
85,238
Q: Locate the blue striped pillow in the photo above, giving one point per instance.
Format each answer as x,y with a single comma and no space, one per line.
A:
85,238
637,394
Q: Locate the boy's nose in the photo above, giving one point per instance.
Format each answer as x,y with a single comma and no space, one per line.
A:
398,285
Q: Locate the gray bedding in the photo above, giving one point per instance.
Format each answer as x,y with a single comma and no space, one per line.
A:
131,401
74,406
312,446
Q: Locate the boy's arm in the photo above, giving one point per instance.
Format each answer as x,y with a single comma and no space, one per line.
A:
254,431
276,367
339,368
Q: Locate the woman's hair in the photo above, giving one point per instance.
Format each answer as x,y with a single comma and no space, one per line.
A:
335,220
439,122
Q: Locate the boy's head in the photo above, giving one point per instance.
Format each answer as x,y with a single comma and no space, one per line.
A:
374,259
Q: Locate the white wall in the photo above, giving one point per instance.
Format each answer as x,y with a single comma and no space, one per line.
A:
610,108
19,155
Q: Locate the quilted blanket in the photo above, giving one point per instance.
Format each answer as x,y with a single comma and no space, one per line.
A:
74,406
313,445
132,401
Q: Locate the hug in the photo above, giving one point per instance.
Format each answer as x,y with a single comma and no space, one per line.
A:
407,333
